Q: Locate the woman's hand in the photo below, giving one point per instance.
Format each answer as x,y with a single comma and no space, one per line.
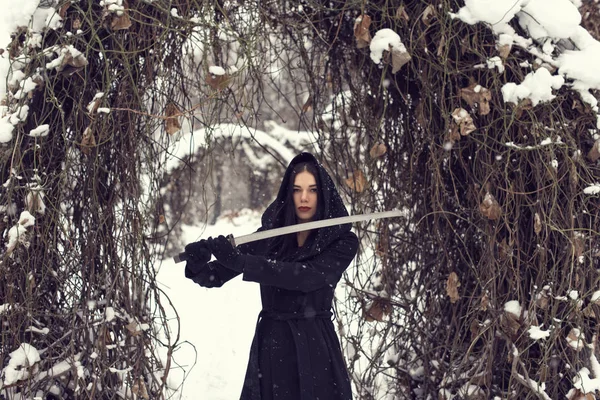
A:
224,252
199,255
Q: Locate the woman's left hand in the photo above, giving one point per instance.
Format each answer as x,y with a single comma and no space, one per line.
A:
223,251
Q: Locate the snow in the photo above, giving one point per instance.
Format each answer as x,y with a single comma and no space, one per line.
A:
217,325
189,143
537,86
513,307
216,70
40,131
383,40
536,333
592,189
595,296
547,22
20,361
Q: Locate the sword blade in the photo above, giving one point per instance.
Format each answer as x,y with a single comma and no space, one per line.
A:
253,237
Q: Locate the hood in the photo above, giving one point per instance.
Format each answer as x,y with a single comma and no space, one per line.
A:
330,201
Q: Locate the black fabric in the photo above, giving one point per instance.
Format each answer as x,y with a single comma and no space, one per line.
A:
295,354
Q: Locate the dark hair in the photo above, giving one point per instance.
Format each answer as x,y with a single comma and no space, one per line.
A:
286,215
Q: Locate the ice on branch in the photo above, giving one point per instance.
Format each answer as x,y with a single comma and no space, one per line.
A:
20,362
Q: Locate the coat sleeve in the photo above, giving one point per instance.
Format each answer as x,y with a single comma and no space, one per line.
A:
212,275
325,269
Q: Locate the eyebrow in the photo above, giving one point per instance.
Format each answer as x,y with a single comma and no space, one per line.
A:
297,186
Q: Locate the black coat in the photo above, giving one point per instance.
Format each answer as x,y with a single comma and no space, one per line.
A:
295,353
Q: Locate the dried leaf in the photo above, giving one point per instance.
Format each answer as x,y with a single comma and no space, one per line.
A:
88,141
133,329
379,308
377,150
452,285
77,23
307,105
361,31
121,22
139,389
504,51
485,302
441,46
428,15
475,94
575,339
71,64
218,82
490,208
402,14
537,223
357,181
594,154
161,219
172,124
399,58
63,10
578,244
464,121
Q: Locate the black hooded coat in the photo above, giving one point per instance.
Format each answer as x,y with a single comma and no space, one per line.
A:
295,354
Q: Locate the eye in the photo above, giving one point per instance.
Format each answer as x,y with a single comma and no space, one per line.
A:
296,190
314,190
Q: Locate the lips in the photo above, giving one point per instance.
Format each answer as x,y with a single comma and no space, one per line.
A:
304,209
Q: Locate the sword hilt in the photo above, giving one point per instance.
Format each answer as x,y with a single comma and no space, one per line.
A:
183,256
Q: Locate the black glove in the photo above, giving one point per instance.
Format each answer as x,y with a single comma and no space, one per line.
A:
224,252
199,256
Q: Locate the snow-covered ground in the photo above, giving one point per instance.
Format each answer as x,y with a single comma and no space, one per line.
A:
217,325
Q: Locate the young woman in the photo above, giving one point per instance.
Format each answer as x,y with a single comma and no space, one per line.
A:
295,354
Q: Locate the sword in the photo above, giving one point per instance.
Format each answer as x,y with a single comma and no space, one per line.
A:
253,237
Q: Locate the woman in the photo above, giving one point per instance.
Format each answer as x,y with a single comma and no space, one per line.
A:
295,353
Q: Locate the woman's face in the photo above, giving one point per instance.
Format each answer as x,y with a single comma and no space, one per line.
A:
305,196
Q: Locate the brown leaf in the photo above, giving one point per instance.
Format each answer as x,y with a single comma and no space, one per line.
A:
132,327
88,141
307,105
377,150
161,219
218,82
537,223
485,302
357,181
76,23
402,14
475,94
490,208
121,22
428,15
379,308
399,58
139,389
71,64
452,285
361,31
172,124
63,10
464,121
594,154
504,51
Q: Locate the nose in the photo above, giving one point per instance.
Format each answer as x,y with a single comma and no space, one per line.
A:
304,197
